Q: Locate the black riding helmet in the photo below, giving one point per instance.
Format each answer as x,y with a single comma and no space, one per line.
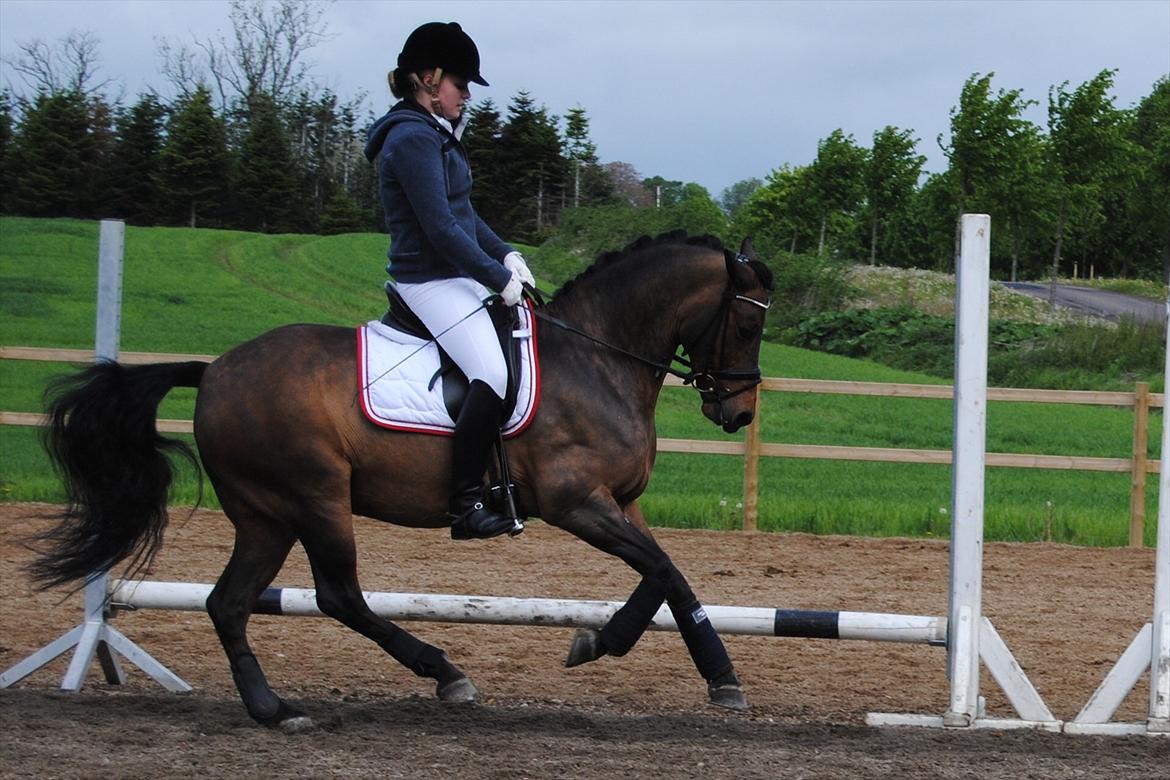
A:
439,45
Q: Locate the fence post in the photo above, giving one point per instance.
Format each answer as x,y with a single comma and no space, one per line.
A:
1137,485
751,469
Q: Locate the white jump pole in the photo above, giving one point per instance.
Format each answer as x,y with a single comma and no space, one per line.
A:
1150,649
95,636
511,611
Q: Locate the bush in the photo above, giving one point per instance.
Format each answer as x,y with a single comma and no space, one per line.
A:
1020,354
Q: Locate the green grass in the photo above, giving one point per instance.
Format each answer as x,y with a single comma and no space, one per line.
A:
204,291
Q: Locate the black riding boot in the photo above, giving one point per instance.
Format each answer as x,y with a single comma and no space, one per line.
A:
475,431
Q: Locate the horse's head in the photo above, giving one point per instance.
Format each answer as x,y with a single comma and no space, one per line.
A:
725,355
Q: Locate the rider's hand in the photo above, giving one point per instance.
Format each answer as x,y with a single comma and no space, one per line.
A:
514,262
513,290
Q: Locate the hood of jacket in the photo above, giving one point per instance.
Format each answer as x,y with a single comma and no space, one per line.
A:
407,111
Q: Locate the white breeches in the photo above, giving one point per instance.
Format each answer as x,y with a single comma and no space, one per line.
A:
472,343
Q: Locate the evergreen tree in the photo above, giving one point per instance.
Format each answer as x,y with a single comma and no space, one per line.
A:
481,139
265,185
341,215
664,193
5,147
194,160
532,170
52,158
590,183
134,171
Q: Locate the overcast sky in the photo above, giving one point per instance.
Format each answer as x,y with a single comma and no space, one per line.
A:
711,92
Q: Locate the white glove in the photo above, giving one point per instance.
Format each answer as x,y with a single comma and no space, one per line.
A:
514,262
513,290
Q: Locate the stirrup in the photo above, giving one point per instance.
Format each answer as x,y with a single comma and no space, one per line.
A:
479,522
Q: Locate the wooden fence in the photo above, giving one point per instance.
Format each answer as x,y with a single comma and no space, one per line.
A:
751,449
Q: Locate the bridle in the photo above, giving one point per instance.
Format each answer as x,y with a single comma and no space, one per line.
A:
704,380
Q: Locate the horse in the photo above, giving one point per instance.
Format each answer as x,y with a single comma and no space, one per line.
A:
298,464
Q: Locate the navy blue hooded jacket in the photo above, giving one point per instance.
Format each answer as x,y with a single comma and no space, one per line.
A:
424,180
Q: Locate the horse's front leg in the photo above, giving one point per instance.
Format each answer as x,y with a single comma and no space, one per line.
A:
621,531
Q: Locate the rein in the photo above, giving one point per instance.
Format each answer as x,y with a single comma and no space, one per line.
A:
703,380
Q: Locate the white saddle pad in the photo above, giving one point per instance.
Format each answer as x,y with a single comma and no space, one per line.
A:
395,369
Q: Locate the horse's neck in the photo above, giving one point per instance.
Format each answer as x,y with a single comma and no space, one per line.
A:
643,313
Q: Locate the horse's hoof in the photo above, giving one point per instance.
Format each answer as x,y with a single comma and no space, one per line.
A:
296,724
586,647
729,697
460,691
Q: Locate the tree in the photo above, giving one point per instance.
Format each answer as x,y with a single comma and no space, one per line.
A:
627,184
265,53
52,158
5,147
837,180
69,66
734,197
135,165
481,139
341,215
978,152
664,193
194,160
891,176
266,184
590,183
1087,141
1149,212
532,170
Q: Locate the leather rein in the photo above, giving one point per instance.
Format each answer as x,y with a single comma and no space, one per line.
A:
705,380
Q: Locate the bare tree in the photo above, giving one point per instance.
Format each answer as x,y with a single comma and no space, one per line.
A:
265,52
181,67
69,66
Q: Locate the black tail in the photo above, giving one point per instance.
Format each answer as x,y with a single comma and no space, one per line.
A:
102,440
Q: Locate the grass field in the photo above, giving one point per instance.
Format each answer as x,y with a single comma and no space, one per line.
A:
203,291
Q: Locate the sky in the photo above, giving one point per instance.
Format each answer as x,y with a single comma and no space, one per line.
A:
709,92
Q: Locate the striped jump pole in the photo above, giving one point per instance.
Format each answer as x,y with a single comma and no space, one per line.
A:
508,611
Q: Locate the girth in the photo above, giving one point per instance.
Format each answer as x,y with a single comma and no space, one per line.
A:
454,381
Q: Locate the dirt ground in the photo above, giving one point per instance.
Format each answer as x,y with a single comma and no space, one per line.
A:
1066,612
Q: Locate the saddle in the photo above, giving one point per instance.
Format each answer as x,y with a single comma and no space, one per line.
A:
454,382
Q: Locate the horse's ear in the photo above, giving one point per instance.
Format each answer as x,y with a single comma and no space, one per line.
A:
739,265
747,249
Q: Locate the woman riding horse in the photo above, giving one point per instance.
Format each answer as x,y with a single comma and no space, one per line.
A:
293,459
443,256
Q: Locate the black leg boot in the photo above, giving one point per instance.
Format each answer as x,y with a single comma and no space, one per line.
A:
475,431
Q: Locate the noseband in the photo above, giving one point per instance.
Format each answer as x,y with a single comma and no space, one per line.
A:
706,380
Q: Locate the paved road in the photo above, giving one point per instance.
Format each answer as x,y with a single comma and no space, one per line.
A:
1098,303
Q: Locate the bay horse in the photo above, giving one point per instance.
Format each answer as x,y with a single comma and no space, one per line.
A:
293,458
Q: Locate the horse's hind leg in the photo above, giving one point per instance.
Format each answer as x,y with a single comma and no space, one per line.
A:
331,552
261,547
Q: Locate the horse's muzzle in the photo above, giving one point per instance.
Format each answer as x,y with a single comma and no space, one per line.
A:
740,420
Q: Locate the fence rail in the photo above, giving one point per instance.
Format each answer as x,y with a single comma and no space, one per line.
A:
751,449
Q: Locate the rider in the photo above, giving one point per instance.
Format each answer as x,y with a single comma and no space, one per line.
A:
444,258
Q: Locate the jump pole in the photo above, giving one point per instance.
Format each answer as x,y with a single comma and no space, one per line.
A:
971,637
1150,649
571,613
94,636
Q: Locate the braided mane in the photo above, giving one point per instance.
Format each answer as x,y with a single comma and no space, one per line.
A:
608,259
